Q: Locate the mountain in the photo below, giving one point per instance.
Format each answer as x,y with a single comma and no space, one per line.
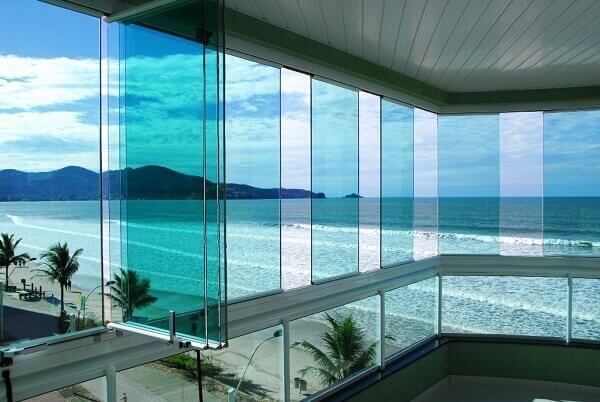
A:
146,182
69,183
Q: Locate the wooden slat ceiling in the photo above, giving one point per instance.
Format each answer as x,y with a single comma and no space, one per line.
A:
455,45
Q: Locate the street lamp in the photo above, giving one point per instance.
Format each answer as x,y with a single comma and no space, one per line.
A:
84,301
232,392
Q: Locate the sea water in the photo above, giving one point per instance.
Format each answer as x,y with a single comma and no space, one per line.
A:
165,243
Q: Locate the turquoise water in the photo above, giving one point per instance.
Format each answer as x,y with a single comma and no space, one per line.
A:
168,249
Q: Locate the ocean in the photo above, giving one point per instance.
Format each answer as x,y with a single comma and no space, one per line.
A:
165,244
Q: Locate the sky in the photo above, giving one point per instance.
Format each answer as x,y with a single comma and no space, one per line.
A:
48,87
49,114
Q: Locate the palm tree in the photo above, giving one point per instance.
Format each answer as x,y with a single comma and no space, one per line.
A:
61,265
131,291
346,351
8,253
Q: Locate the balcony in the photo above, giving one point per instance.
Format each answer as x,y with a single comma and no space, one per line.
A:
239,202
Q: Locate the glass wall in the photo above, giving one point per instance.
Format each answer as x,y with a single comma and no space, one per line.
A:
369,136
49,172
174,379
330,346
255,359
521,183
572,183
426,185
295,179
253,176
170,159
334,180
504,305
410,315
469,184
397,184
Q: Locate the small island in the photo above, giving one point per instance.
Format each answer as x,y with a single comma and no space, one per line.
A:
353,195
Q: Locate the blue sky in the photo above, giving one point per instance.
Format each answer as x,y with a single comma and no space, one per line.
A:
48,87
49,118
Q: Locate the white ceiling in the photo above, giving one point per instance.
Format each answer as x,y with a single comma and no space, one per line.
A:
456,45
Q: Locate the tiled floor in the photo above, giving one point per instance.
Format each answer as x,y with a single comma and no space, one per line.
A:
475,389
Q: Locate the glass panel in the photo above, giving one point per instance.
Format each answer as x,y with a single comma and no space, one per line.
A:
261,353
410,314
315,364
504,305
397,185
426,185
334,180
469,184
295,179
170,133
91,391
586,314
174,378
252,109
572,183
369,181
214,148
49,172
521,183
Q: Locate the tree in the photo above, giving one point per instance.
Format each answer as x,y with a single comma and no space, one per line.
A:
346,351
8,253
131,291
61,265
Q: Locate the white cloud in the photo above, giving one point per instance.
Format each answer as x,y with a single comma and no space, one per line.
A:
61,125
27,83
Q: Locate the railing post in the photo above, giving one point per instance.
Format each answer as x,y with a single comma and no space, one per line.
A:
439,306
111,384
286,360
381,354
569,308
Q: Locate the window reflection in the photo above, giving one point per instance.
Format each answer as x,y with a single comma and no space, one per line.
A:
426,185
572,183
334,180
410,314
369,181
253,178
521,183
397,189
317,363
469,184
504,305
295,179
252,363
586,314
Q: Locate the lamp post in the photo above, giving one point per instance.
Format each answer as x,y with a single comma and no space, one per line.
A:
232,392
84,300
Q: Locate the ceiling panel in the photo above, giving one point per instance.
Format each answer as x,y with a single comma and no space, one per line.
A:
372,27
456,45
434,10
449,22
393,13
